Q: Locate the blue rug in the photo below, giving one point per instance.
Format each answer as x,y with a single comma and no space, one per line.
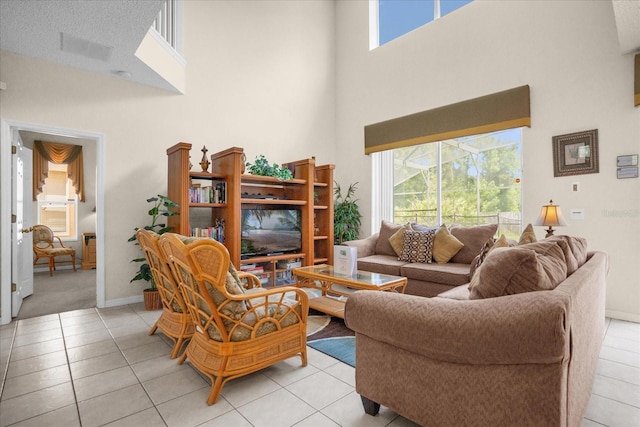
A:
341,348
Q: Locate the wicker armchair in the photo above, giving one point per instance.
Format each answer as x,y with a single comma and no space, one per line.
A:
175,321
44,247
238,330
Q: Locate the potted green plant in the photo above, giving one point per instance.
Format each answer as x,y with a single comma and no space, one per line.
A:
346,214
262,167
161,206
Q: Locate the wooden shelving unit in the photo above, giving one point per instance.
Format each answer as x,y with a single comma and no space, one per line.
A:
310,192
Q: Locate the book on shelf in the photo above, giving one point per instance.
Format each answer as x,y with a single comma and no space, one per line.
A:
216,194
215,232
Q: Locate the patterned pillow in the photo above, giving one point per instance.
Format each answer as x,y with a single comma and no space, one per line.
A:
417,246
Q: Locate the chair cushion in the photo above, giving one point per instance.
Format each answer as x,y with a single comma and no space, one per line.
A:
384,264
452,274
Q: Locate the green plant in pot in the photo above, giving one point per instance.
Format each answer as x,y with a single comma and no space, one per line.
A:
262,167
346,214
161,207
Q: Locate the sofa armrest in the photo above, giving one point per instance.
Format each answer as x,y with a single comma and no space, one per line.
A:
514,329
365,247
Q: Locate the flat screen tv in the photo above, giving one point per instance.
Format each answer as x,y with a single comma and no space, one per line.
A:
270,231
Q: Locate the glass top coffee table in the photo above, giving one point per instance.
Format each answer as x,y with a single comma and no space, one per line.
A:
337,287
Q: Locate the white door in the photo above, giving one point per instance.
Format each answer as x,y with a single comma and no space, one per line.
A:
22,207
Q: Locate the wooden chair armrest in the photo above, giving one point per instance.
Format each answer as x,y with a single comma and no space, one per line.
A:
252,281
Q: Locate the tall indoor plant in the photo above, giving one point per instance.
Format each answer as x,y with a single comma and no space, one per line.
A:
161,206
346,214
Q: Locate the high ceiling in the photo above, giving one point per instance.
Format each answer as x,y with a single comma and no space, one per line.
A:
108,32
102,35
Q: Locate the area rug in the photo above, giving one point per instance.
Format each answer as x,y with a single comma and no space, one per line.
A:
331,336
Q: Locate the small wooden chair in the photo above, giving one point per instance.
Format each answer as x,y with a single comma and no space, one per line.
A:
238,331
44,247
175,321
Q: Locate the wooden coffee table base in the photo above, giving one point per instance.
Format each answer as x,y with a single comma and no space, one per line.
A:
328,305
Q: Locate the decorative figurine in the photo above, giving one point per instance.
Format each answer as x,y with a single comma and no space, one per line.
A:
204,163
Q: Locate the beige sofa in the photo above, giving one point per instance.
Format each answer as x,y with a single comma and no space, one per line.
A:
521,359
427,279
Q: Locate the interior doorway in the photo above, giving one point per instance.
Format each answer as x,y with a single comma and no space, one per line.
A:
95,144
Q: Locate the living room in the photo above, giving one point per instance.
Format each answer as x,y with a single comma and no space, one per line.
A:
251,84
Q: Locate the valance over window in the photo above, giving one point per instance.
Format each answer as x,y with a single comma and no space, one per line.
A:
498,111
71,155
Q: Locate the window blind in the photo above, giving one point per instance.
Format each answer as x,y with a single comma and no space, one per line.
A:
497,111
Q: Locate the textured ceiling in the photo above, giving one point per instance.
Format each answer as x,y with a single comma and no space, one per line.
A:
34,28
627,13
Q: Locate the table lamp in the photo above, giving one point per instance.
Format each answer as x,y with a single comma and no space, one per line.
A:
550,216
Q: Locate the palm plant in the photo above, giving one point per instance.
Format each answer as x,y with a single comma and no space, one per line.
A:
346,214
161,206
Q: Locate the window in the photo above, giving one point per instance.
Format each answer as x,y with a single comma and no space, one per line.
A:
58,203
398,17
466,181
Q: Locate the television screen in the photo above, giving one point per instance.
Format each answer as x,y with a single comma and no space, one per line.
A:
270,231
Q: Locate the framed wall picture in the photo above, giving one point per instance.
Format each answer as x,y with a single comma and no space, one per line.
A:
575,153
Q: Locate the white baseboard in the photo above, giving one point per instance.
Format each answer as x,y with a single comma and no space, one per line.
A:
123,301
621,315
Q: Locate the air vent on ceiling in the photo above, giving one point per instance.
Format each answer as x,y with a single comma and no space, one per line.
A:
73,44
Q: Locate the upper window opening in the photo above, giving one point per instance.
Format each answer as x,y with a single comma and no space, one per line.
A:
398,17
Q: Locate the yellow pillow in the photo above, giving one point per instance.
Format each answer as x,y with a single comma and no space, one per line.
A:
445,245
527,236
396,238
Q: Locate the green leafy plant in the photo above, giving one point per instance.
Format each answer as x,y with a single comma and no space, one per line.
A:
262,167
346,214
161,208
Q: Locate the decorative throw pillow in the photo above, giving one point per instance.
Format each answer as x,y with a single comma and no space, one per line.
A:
473,239
490,245
445,246
575,251
417,246
396,239
387,229
513,270
528,235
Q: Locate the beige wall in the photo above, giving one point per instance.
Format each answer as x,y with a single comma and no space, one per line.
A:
260,75
567,51
293,79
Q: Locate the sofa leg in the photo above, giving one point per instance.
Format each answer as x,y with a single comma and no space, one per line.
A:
370,407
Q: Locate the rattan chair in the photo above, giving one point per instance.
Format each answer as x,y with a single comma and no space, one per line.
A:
175,321
44,247
238,331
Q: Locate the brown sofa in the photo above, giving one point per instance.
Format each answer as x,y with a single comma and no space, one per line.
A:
427,279
522,359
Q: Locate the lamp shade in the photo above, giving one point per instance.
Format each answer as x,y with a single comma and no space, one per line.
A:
550,215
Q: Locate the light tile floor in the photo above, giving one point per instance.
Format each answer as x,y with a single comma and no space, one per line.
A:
99,367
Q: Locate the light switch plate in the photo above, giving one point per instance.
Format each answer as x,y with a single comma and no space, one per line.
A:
575,186
576,214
